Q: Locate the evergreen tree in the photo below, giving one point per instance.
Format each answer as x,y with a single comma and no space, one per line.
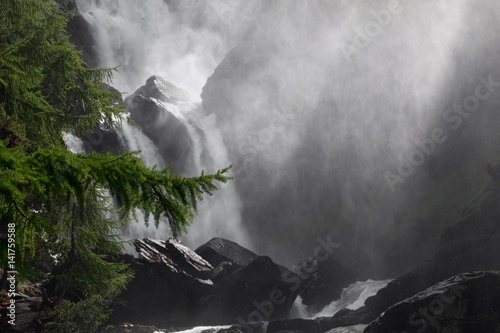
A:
58,202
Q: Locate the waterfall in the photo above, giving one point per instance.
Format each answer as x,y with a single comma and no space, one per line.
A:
182,42
339,117
352,297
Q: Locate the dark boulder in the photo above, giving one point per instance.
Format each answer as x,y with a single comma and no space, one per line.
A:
176,256
219,250
255,292
228,256
104,139
169,280
245,282
80,34
466,303
174,285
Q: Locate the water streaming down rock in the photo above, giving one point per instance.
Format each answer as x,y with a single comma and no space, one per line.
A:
182,41
353,297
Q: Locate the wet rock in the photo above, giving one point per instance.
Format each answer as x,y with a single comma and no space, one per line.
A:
160,89
169,280
102,139
255,292
466,303
80,34
248,287
219,250
152,107
177,257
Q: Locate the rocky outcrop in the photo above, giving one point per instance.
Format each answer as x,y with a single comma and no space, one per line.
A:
256,291
169,280
466,303
153,108
323,281
177,257
176,286
102,139
160,89
219,250
80,34
248,287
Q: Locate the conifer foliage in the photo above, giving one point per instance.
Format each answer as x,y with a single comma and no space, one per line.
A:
59,201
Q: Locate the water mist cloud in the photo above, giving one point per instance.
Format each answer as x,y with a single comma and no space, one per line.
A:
351,119
183,42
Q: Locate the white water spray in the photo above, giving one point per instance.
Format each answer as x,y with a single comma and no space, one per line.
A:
182,42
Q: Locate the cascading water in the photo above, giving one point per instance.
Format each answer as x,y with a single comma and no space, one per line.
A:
353,297
183,42
316,103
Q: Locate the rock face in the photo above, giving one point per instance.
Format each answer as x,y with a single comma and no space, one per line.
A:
105,140
160,89
176,286
169,280
248,287
219,250
81,35
177,257
154,108
466,303
323,281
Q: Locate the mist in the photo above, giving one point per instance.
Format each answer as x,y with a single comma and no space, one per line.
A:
324,106
337,116
182,42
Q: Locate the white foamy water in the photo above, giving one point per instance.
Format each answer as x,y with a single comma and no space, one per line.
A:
202,329
353,297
